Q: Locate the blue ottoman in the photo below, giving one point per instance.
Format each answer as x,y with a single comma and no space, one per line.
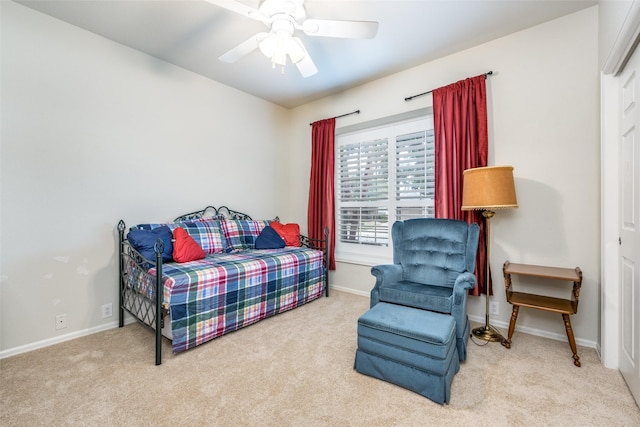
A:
413,348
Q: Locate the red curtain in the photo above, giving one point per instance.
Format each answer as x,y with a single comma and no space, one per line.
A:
462,142
321,210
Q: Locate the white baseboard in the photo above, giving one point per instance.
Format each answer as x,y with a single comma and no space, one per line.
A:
60,339
349,291
534,331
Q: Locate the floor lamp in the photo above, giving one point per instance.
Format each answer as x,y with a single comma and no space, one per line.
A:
488,189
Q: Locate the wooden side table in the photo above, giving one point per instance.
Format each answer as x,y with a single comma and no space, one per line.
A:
565,307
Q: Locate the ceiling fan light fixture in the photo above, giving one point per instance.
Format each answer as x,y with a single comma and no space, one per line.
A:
276,47
278,44
268,45
279,58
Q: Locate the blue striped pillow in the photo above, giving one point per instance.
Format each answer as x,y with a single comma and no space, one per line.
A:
242,234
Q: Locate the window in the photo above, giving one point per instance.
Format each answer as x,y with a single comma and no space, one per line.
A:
383,174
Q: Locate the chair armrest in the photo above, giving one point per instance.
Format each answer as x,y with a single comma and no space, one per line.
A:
464,282
386,273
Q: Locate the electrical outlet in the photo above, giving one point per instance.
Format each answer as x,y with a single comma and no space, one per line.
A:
494,308
61,321
107,310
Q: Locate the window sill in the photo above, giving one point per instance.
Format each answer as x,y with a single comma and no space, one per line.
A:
361,259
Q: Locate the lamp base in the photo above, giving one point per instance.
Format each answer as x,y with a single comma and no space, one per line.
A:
487,333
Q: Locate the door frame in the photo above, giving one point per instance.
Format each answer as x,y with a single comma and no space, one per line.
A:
610,223
624,46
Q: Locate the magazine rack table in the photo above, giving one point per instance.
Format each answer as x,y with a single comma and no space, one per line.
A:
565,307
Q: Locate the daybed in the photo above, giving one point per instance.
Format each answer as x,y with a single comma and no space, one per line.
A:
227,285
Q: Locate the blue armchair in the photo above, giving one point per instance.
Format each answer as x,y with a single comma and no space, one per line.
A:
433,265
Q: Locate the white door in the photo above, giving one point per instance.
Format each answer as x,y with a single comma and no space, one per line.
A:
629,149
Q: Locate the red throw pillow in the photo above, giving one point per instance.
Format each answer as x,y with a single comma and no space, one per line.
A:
185,249
290,233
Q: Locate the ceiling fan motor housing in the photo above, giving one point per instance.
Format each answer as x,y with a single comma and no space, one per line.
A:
276,8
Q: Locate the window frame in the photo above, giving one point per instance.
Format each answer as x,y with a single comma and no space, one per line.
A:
367,254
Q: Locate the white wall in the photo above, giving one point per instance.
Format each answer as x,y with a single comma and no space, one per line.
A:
543,120
93,132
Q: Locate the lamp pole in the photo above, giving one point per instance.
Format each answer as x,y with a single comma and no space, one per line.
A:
486,332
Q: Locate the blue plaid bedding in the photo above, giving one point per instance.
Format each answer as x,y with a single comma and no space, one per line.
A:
224,292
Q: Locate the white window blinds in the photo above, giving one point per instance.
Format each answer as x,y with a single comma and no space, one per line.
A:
382,175
415,175
364,188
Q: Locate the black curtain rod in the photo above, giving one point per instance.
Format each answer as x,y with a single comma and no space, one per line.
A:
409,98
342,115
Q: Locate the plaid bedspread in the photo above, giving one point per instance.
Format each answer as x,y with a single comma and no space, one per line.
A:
224,292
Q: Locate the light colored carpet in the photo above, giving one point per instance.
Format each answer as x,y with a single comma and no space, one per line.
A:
296,369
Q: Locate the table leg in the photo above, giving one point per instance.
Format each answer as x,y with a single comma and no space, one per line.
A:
512,326
572,341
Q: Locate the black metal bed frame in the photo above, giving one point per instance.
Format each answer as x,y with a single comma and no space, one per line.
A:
151,312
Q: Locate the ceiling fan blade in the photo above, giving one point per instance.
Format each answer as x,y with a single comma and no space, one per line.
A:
241,8
306,66
243,48
343,29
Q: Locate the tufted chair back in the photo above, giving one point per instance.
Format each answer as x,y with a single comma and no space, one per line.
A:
434,251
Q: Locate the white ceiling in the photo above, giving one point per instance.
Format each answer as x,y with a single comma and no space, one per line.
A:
193,33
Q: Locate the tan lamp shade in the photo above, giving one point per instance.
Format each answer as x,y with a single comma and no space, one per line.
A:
488,188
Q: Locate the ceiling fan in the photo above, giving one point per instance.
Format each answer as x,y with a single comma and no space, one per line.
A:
284,18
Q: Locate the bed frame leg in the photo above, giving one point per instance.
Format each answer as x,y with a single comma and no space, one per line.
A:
159,249
121,228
